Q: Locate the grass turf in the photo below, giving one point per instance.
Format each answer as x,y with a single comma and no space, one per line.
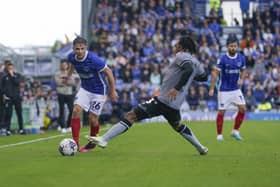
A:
149,155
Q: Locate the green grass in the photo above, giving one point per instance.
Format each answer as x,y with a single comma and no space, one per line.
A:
149,155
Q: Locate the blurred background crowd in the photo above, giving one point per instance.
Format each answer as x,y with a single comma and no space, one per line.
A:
136,39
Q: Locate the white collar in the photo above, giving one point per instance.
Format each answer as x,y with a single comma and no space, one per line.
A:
83,58
232,57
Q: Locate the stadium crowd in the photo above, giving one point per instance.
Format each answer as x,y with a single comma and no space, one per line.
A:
136,40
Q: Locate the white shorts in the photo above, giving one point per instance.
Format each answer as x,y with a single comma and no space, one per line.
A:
227,98
90,102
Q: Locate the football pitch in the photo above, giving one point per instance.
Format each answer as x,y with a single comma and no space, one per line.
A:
148,155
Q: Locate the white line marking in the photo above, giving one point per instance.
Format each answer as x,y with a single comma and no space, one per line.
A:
41,139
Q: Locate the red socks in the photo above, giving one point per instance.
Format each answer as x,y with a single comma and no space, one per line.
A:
219,123
76,126
238,120
220,120
94,129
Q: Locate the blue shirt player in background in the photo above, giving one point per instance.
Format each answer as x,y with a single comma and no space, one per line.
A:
92,94
231,68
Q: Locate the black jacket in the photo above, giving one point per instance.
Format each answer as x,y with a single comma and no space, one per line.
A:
10,85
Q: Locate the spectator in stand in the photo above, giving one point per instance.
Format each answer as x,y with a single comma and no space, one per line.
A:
244,5
120,59
214,4
264,106
66,86
158,36
202,98
192,98
126,74
155,77
110,61
125,102
146,72
247,42
251,102
215,27
136,72
250,62
259,92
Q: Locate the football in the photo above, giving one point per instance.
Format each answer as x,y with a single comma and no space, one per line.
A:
68,147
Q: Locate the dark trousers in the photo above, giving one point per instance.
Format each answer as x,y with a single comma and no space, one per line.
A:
62,100
1,112
8,113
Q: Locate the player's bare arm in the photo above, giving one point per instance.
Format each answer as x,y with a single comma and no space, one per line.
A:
242,77
112,91
215,74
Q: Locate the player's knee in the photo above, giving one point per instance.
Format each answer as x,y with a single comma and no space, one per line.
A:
175,126
242,109
184,129
221,112
76,112
181,128
130,116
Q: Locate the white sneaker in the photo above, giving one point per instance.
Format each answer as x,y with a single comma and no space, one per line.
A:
236,135
203,151
63,130
97,140
220,137
69,129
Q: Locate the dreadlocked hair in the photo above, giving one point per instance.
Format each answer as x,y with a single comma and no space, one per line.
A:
187,43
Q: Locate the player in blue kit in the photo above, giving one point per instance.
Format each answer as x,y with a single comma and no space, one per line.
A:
231,68
92,94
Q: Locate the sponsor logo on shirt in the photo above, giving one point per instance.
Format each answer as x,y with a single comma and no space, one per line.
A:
86,76
232,71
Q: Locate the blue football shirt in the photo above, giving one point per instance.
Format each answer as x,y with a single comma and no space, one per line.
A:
90,70
229,68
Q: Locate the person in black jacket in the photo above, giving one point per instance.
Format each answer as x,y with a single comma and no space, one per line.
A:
2,71
10,84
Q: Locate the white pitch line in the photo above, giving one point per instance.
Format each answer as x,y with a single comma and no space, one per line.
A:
40,139
31,141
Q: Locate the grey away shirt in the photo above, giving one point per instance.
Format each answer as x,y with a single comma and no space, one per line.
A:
174,74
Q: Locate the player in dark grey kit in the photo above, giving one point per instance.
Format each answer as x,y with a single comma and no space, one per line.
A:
174,88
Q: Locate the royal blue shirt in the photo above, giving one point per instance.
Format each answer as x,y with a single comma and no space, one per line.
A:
90,70
229,68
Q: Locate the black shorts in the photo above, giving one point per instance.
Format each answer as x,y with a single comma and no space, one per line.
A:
153,108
